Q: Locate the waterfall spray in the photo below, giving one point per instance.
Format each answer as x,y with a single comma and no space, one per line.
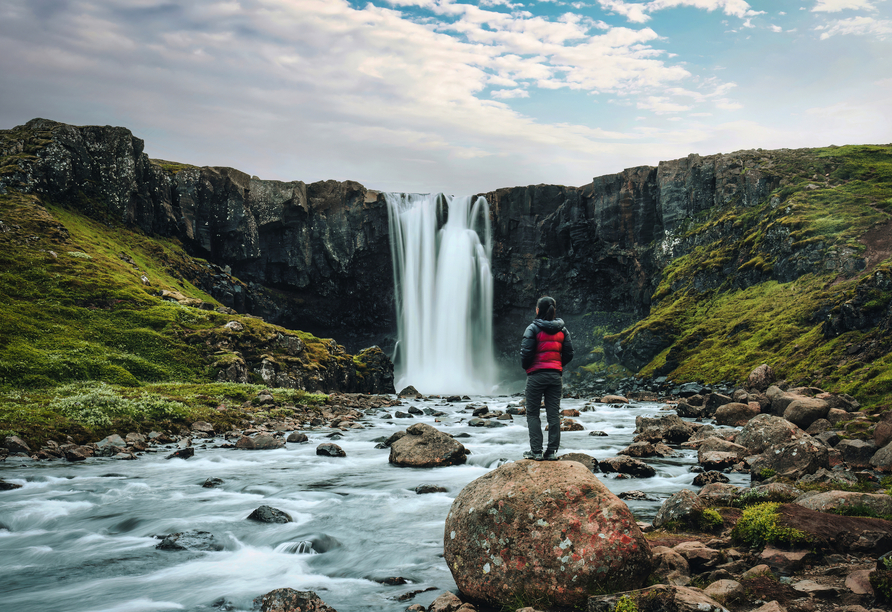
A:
441,251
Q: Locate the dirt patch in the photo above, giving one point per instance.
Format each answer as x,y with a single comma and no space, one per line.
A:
879,245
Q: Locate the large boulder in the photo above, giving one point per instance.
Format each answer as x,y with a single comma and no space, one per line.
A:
792,460
425,446
289,600
780,399
736,414
627,465
262,441
761,378
543,530
829,501
882,459
669,428
806,410
765,431
684,506
857,453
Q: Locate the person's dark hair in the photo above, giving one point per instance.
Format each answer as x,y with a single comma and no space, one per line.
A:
545,308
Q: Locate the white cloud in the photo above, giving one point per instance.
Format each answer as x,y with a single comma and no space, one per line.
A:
775,28
636,13
859,26
736,8
505,94
834,6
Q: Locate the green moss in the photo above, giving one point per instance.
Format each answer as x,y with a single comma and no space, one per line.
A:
625,604
758,525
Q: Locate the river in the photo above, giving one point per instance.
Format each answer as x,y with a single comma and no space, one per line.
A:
81,537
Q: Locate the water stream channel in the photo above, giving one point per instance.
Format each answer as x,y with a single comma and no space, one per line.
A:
82,537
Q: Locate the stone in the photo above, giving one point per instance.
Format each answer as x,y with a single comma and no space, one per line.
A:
268,514
792,460
290,600
718,493
771,606
409,391
8,486
660,598
211,483
296,437
785,562
202,429
755,571
15,444
570,412
627,465
882,459
447,602
725,591
721,445
819,427
714,401
670,564
113,440
567,531
190,540
857,453
709,478
636,495
780,399
761,378
699,556
78,453
717,460
429,488
816,589
639,449
182,453
735,414
834,500
263,441
330,449
614,399
804,411
588,461
669,428
425,446
829,477
837,416
765,431
680,506
882,433
858,582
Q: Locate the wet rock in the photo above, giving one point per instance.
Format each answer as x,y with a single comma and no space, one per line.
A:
497,507
570,412
8,486
182,453
290,600
706,478
330,449
409,391
662,598
614,399
190,540
202,429
669,428
804,411
113,440
414,410
636,496
399,414
263,441
392,581
683,506
429,488
735,414
78,453
268,514
15,444
212,482
765,431
125,456
425,446
717,460
296,437
597,434
588,461
393,438
626,465
639,449
411,594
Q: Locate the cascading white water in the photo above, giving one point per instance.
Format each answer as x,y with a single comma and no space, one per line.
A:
441,251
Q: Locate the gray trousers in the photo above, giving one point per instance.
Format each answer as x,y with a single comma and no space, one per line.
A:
547,383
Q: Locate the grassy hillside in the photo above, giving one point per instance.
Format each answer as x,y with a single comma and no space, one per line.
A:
723,311
80,302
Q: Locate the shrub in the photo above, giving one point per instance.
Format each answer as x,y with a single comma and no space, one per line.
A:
710,520
98,405
625,604
758,526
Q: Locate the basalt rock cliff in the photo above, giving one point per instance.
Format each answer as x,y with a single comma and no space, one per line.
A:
627,256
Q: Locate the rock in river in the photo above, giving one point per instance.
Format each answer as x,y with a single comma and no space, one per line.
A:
289,600
542,529
190,540
425,446
268,514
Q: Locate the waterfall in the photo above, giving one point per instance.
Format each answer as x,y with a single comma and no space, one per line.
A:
441,250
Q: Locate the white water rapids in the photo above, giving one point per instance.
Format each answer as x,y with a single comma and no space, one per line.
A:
80,537
441,250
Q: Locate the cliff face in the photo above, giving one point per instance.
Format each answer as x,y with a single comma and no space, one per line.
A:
313,257
316,256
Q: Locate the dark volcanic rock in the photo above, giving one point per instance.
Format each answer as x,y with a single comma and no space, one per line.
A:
183,453
268,514
190,540
8,486
329,449
289,600
211,483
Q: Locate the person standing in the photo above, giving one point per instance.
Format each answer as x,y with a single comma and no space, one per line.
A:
544,351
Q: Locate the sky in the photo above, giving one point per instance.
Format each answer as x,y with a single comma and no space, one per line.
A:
459,96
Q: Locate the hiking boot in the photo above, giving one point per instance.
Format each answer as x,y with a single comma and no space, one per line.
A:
550,455
533,456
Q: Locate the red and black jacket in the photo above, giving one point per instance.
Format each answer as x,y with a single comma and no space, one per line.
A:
546,345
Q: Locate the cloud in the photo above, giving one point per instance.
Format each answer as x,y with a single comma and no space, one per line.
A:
858,26
835,6
505,94
639,13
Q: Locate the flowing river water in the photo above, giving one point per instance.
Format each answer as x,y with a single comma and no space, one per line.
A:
82,537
